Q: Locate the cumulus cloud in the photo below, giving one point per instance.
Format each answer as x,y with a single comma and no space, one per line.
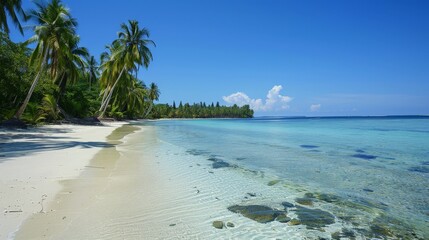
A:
273,101
315,107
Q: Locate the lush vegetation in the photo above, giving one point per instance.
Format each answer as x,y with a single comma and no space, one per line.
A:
58,79
200,110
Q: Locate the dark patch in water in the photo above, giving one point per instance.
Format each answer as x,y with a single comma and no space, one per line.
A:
309,146
364,156
240,158
305,201
197,152
420,169
314,218
259,213
368,190
425,163
287,204
343,234
359,151
220,164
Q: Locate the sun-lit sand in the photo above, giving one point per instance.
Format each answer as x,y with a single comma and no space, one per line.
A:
34,163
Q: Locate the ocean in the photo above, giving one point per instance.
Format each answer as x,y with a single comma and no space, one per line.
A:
342,177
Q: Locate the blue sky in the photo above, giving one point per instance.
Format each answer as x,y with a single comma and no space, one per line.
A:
287,58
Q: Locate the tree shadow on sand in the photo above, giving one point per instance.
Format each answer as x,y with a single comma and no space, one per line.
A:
21,144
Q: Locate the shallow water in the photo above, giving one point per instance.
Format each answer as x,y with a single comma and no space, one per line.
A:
372,174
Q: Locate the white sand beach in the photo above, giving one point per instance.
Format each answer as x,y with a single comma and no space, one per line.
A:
33,163
105,188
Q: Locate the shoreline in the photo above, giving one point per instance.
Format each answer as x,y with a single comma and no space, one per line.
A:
34,161
145,187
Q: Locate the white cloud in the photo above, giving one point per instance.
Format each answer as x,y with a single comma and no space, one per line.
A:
274,100
315,107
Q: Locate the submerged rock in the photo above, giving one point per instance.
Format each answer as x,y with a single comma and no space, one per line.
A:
364,156
287,204
259,213
218,224
230,224
304,201
420,169
327,197
196,152
283,218
294,222
345,233
314,218
220,164
273,182
309,146
384,226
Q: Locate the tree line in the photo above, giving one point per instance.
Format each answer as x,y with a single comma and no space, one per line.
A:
201,110
59,79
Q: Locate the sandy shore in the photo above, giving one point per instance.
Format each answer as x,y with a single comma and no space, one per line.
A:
34,162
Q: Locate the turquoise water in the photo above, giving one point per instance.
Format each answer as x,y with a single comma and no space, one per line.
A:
370,163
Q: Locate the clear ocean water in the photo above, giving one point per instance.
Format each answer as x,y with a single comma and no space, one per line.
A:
366,163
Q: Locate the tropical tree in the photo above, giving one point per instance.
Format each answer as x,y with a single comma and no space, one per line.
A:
127,53
130,97
53,30
153,96
13,9
92,70
72,64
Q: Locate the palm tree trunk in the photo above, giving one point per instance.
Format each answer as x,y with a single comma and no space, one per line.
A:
33,86
106,91
149,109
107,100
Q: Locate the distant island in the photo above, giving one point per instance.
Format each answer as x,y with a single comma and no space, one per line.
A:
200,110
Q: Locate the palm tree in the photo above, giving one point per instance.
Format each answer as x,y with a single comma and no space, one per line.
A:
130,50
53,31
130,96
153,96
92,70
13,9
72,64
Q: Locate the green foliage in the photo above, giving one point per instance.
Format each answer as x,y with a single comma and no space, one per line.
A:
16,77
80,101
58,78
49,109
13,9
201,110
33,115
125,55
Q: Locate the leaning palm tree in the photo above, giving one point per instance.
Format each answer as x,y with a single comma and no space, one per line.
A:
53,31
153,96
130,50
13,9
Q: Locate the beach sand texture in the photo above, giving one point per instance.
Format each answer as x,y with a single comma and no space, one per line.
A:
121,193
34,162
